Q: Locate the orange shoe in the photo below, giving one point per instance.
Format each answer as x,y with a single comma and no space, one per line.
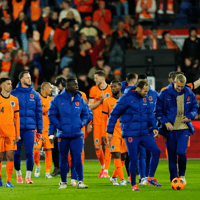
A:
105,174
19,179
135,188
29,181
101,173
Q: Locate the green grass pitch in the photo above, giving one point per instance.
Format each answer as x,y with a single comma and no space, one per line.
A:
101,188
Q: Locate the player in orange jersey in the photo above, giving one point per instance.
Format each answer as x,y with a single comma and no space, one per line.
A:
46,90
97,94
9,127
118,144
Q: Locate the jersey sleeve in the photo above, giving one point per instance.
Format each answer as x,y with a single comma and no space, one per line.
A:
105,111
92,93
191,86
16,117
84,97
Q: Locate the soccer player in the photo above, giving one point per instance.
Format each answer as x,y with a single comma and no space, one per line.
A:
136,119
118,144
46,90
30,111
69,112
97,94
175,107
9,127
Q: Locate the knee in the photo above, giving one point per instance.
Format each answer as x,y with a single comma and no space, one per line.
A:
98,147
181,153
9,157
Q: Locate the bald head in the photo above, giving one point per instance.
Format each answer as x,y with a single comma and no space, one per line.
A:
46,89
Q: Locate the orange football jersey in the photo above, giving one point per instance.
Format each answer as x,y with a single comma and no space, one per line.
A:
9,116
95,93
45,108
108,105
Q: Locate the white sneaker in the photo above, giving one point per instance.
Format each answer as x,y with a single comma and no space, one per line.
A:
62,185
122,183
114,181
37,172
73,182
48,175
143,181
183,178
81,185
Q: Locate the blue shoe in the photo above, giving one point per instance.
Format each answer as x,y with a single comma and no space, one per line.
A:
1,183
8,184
153,182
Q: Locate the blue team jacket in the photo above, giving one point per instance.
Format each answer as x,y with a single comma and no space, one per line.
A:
166,106
66,116
30,108
135,115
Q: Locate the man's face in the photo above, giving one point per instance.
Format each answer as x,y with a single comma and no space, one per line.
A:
120,25
88,23
72,87
115,88
132,82
100,63
7,86
98,79
178,86
60,87
48,89
154,33
102,5
26,79
193,33
143,92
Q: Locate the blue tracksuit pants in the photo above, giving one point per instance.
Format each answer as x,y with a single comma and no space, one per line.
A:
148,143
176,146
27,136
75,145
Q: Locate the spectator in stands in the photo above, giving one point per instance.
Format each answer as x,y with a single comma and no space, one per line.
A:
67,60
96,26
136,32
23,31
82,61
104,17
8,26
19,6
18,55
70,45
5,9
99,66
66,9
65,72
36,78
5,65
107,70
88,29
49,57
85,7
117,75
61,35
167,9
53,19
152,42
191,47
35,12
73,23
81,39
120,4
146,10
106,51
167,42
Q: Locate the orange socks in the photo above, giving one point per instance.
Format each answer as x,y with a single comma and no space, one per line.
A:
122,161
9,169
48,160
36,157
118,169
69,160
100,156
0,168
107,157
83,156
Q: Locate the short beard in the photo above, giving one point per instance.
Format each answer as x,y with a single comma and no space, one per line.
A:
27,84
116,93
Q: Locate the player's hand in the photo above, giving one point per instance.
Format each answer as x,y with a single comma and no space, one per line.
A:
109,136
185,119
169,126
51,138
37,137
104,140
155,133
89,128
102,97
18,138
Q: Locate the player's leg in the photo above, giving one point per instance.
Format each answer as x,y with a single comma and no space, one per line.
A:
171,145
36,158
132,145
9,167
55,158
29,144
142,164
107,158
149,143
148,158
63,146
182,143
1,158
98,147
17,158
73,171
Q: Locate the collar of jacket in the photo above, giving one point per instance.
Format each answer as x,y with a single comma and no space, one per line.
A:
174,92
22,89
69,96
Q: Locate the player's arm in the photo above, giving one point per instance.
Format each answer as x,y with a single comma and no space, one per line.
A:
93,105
17,121
85,115
196,84
39,119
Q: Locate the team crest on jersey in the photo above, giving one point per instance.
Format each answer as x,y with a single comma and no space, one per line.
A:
150,98
32,96
59,139
107,95
97,140
12,103
144,100
113,147
130,139
77,103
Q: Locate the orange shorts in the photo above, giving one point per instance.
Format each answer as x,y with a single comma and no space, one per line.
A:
8,144
118,144
97,134
46,144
